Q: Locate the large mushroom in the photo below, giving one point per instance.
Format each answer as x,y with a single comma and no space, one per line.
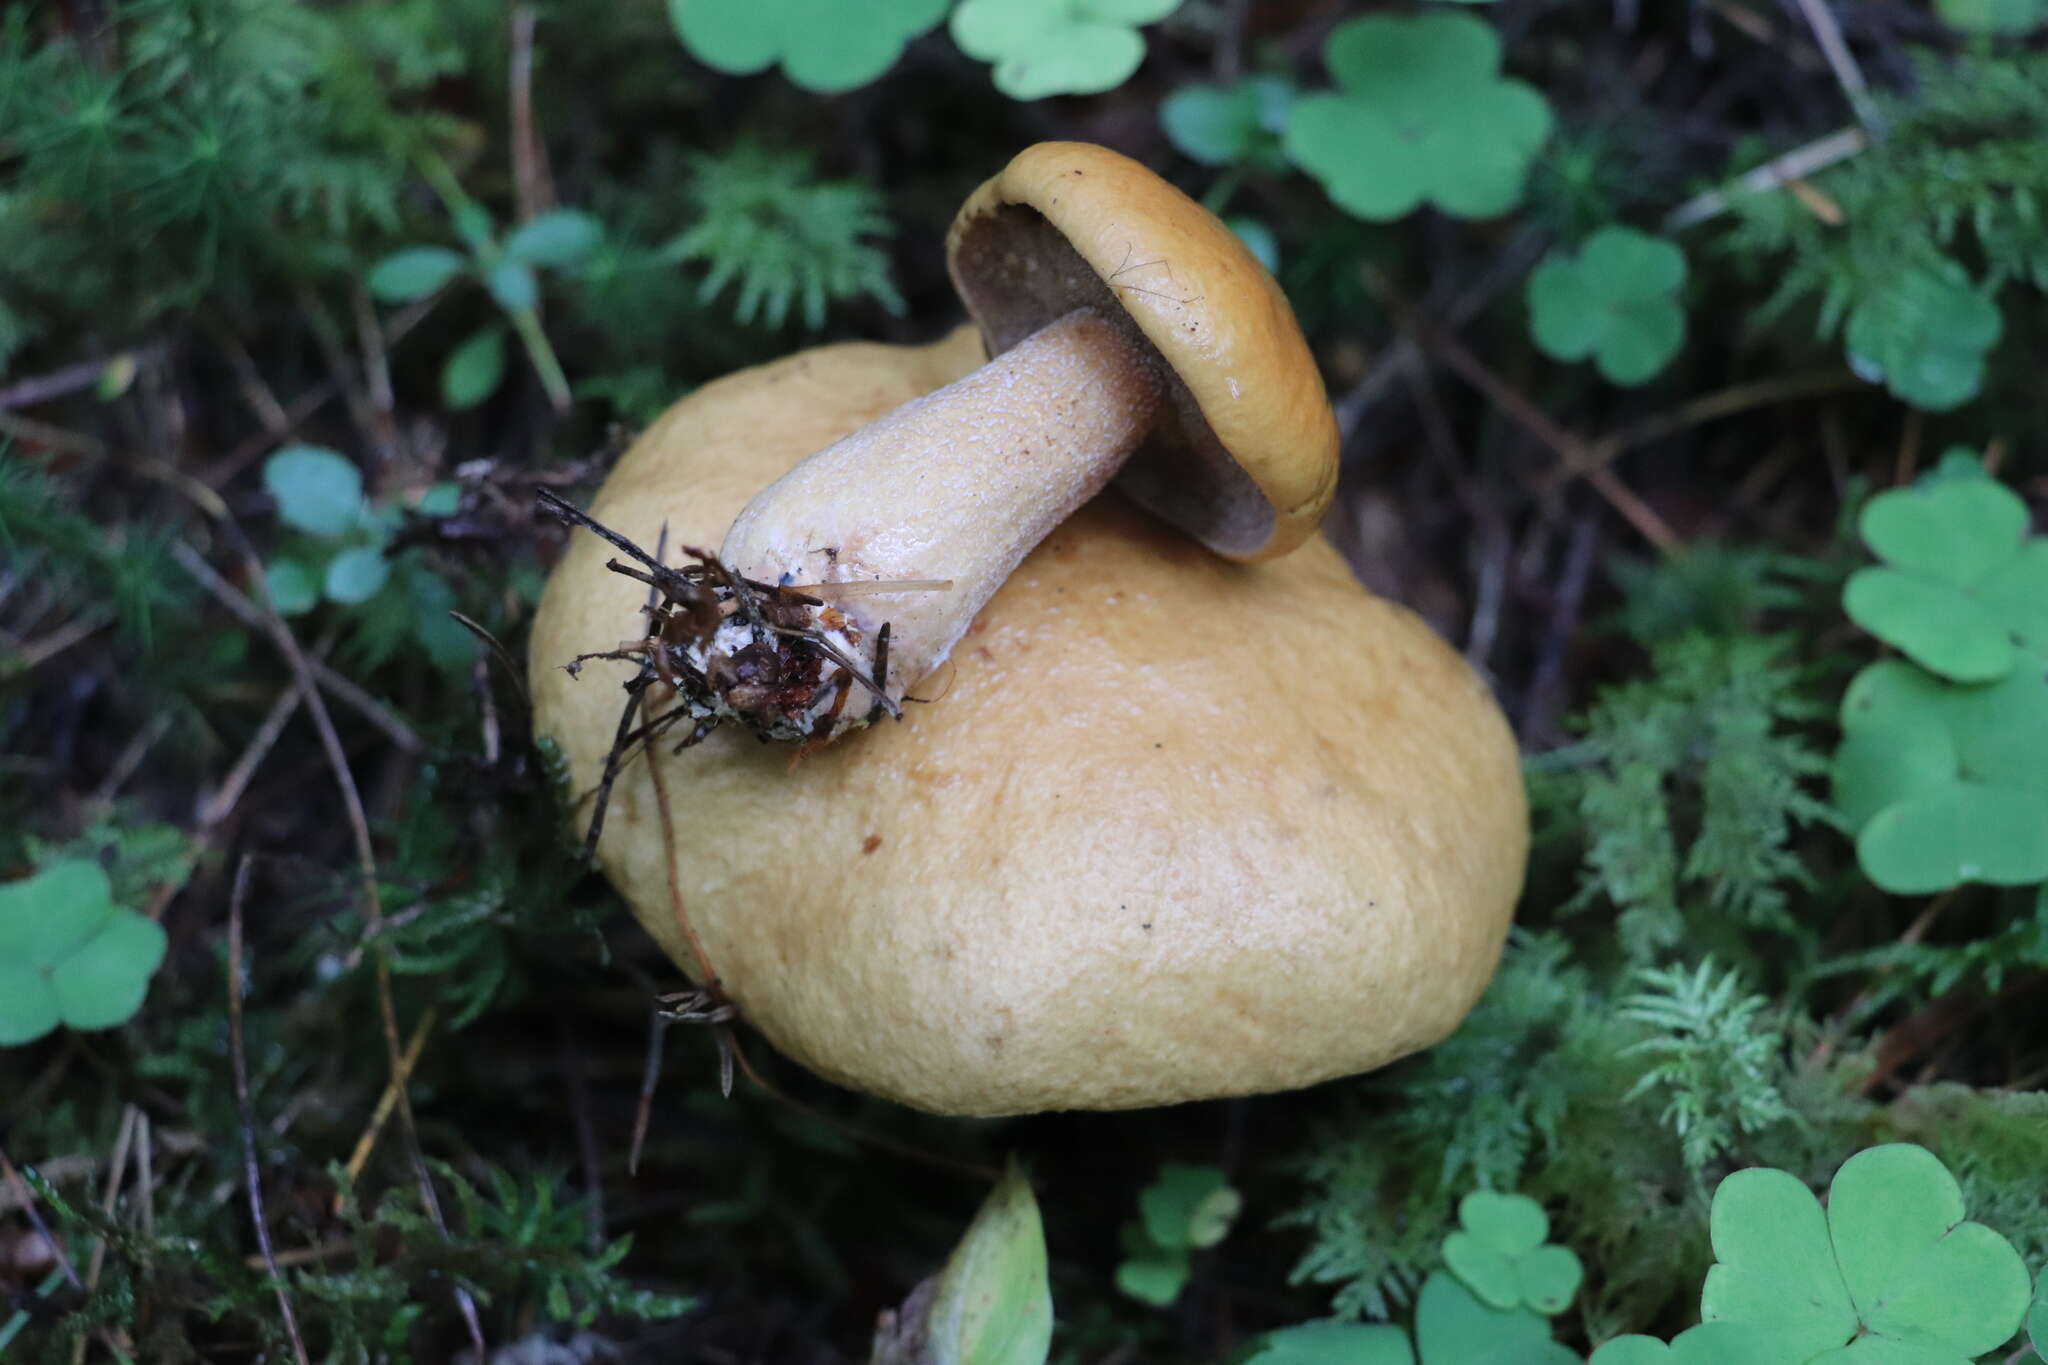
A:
1178,827
1132,336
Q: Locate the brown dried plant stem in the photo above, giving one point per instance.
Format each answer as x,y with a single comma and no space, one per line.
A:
252,1175
373,901
1568,448
25,1200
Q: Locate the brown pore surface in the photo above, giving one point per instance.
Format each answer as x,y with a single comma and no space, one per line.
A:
1177,828
1245,457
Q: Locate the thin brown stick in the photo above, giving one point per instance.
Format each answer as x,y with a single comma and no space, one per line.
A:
26,1202
487,706
145,1171
1712,407
498,652
42,388
586,1140
1773,174
1538,423
373,899
255,390
533,193
376,368
334,350
245,1109
31,432
366,1142
650,1076
707,974
228,794
243,609
117,1166
129,760
33,654
1842,62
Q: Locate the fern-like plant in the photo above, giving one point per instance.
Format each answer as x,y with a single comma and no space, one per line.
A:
1692,785
1961,176
788,239
1717,1063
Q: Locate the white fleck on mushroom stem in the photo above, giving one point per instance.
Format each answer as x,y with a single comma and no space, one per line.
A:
958,485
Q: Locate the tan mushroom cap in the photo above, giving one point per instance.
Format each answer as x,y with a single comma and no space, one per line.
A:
1177,828
1245,456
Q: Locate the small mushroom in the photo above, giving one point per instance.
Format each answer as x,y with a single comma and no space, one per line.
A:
1177,828
1133,335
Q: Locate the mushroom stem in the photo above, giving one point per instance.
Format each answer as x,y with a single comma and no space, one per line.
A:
958,485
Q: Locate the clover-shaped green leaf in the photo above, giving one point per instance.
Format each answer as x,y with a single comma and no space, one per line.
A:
1616,301
1501,1256
1452,1327
1924,334
356,575
1964,589
318,491
1185,1209
1057,47
1944,783
1189,1206
1421,114
2037,1317
69,955
294,588
1335,1343
823,45
1890,1274
1223,125
1149,1272
1710,1343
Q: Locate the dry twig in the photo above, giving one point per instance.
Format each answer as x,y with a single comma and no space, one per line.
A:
251,1173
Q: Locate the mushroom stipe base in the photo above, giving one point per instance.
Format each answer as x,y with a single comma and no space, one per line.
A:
721,648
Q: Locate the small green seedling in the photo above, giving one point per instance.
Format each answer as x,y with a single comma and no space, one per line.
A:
1500,1253
1057,47
2009,18
345,558
1187,1209
1924,334
69,955
1964,589
1891,1265
558,240
991,1305
1945,784
825,46
1235,125
1421,115
1616,301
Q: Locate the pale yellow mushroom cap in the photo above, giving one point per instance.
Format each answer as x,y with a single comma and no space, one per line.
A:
1177,828
1244,457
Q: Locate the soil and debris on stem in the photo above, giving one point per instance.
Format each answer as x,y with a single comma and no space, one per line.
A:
779,659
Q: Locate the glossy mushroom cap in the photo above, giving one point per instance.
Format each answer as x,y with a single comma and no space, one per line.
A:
1244,456
1175,828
